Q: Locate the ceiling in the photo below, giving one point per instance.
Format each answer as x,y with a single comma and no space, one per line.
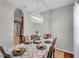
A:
40,5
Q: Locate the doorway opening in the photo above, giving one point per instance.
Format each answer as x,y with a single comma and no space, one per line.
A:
18,26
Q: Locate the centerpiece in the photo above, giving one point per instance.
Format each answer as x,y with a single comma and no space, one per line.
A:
37,39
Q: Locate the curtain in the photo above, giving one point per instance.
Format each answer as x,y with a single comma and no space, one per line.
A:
76,29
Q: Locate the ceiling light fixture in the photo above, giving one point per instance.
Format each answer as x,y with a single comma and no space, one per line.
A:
35,15
37,18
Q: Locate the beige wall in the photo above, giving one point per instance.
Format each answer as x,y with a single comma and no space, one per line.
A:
6,25
61,25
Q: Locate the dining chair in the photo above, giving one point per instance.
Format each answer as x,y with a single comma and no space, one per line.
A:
46,36
33,37
21,39
27,40
24,39
5,55
51,52
53,46
54,41
52,49
16,40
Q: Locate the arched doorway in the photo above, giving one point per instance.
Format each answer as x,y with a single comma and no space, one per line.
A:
18,26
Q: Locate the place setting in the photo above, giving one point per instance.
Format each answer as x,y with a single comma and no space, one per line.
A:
41,46
18,51
47,41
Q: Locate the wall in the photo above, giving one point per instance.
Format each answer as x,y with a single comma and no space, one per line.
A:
28,25
6,25
62,27
44,27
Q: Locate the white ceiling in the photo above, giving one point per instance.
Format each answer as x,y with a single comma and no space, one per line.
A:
41,5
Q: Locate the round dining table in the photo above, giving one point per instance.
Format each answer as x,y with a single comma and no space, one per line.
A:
31,50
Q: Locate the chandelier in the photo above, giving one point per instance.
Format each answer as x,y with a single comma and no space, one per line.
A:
36,14
37,18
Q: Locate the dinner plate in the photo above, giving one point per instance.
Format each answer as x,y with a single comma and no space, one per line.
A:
48,41
27,42
41,46
18,51
37,41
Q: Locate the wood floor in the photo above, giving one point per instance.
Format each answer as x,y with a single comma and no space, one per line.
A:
61,54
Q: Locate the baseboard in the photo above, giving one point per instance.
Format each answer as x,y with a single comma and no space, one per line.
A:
64,50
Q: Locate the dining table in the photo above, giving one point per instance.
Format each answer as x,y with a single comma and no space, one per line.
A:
31,50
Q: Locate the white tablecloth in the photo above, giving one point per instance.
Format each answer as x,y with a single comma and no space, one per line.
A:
31,50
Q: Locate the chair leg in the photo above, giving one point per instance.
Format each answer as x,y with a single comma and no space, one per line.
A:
54,53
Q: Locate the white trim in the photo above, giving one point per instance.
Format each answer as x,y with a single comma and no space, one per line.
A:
64,50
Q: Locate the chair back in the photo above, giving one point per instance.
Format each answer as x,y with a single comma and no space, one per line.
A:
46,36
27,38
16,40
24,39
21,39
33,37
51,51
5,55
2,50
54,42
49,55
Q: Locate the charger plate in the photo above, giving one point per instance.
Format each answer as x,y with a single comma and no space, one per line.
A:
48,41
18,53
41,47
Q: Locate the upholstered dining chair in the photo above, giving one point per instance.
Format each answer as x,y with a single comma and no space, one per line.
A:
5,55
22,39
53,46
51,52
46,36
52,49
54,41
27,40
33,37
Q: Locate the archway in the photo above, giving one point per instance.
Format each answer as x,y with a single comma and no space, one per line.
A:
18,26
